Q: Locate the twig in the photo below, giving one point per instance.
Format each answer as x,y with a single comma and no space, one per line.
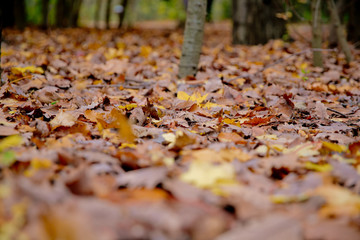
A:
118,85
334,111
124,85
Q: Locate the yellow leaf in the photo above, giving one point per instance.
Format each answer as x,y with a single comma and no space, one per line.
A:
37,164
22,70
280,199
127,145
303,150
205,174
318,167
339,201
267,137
334,147
145,51
183,96
128,106
10,141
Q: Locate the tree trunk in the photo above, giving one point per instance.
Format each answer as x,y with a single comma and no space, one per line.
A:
20,14
341,6
108,13
258,21
8,13
60,13
193,37
122,14
353,27
339,30
239,10
316,32
97,13
75,10
45,13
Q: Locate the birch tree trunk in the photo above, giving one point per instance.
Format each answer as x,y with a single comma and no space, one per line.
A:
339,30
193,37
316,32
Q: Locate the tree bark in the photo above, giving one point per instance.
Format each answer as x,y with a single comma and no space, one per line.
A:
239,10
339,30
193,37
257,21
108,13
316,32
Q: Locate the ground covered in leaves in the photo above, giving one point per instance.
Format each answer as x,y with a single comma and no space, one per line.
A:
100,140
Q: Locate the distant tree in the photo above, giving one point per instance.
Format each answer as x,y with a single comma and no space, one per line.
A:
97,13
257,21
353,27
316,32
67,12
108,13
124,5
193,37
75,10
340,32
45,13
20,14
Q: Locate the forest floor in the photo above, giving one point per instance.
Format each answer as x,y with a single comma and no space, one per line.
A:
100,140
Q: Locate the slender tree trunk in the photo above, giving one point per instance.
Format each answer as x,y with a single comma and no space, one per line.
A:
20,14
239,10
339,30
316,32
108,13
45,13
193,37
97,13
122,14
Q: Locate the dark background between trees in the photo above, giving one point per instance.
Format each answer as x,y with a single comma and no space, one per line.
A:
254,21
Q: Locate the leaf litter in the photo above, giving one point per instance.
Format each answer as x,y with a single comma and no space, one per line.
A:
100,140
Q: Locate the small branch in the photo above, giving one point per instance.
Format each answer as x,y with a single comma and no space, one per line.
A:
334,111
